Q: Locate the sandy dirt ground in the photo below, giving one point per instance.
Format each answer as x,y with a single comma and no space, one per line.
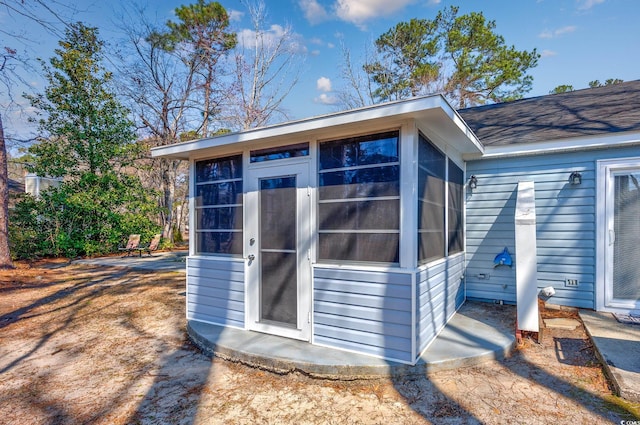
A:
91,345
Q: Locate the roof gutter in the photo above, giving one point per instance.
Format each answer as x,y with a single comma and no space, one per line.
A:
615,140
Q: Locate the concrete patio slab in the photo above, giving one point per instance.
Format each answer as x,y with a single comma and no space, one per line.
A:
477,333
618,346
561,323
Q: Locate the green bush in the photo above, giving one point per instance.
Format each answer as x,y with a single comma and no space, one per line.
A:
177,235
90,216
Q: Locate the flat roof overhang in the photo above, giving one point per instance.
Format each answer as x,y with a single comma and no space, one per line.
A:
432,113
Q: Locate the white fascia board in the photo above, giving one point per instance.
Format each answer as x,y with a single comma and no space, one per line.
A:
468,133
413,108
611,140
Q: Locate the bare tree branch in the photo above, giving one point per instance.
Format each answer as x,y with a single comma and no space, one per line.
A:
267,66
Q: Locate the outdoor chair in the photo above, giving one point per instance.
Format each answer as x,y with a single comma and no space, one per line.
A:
132,245
151,246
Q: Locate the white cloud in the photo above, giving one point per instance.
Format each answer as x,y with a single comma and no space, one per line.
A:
558,32
315,53
324,84
247,38
545,34
360,11
565,30
434,2
548,53
320,42
271,38
314,12
326,99
235,15
588,4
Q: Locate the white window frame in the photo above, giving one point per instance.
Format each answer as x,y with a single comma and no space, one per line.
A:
604,192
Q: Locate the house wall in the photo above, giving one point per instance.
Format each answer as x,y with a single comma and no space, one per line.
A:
215,291
439,293
364,311
35,185
372,311
565,222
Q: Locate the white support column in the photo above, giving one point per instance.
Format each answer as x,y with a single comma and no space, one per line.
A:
526,258
192,207
408,195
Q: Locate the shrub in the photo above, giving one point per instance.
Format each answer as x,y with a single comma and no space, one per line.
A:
90,216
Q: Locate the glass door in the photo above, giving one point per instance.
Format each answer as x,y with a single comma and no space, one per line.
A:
622,276
279,271
625,234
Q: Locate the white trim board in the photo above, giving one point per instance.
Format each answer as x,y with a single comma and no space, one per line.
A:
603,169
557,146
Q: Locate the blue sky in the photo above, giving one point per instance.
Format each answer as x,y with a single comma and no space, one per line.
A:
579,40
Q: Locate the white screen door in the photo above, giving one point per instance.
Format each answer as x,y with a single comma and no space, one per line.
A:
277,245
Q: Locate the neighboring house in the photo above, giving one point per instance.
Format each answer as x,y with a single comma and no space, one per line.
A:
347,230
16,187
35,185
16,183
15,173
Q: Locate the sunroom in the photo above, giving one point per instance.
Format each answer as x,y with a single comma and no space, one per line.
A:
345,230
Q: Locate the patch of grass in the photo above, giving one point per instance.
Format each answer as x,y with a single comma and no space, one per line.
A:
622,406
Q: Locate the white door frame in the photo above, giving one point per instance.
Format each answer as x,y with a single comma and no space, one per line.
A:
605,236
255,173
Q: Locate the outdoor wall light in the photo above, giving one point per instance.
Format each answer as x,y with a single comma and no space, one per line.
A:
575,178
473,182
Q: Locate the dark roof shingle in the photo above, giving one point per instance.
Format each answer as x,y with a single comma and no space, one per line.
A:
609,109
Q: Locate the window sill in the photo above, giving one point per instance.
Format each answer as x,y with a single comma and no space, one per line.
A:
394,268
219,257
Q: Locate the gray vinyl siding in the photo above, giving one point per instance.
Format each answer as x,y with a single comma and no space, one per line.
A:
565,220
215,291
364,311
439,293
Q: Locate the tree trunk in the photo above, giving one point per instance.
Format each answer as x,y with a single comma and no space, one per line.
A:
5,254
168,183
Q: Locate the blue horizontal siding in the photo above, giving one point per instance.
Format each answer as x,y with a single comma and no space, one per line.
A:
352,344
364,288
377,327
363,311
360,312
379,302
565,223
217,302
215,291
440,293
